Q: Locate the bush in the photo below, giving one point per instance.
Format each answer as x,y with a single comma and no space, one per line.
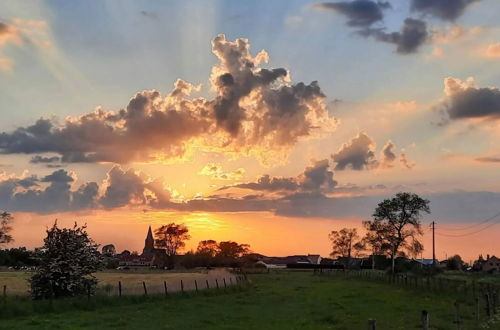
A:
67,260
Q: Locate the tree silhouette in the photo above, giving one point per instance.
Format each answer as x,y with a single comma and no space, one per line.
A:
172,238
396,221
5,220
344,242
232,250
207,248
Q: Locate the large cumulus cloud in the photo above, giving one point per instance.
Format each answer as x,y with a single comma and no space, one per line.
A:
254,110
359,154
55,192
27,194
360,13
464,99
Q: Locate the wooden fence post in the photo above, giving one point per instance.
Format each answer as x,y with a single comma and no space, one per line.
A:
477,308
165,287
372,324
182,286
425,320
488,304
196,285
457,314
4,292
145,288
88,291
119,288
224,280
208,286
217,283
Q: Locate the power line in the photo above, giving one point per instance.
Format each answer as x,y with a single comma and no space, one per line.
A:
475,224
471,233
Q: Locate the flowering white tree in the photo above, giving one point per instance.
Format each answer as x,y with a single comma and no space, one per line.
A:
67,260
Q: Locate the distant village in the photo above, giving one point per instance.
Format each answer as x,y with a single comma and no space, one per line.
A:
152,257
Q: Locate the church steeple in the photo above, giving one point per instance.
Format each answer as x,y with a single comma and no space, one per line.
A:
149,243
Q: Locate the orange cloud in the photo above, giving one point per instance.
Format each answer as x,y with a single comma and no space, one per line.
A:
493,50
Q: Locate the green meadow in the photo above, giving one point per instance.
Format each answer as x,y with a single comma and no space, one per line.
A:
280,300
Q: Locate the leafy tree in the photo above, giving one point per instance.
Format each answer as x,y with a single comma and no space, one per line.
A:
344,243
172,238
232,250
17,257
396,223
5,220
208,248
455,263
374,242
67,261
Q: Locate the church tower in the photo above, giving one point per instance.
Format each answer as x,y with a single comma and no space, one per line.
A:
149,243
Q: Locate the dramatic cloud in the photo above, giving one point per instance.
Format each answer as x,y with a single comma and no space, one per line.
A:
443,9
360,13
316,178
130,187
255,111
413,34
215,172
357,154
464,99
54,193
26,194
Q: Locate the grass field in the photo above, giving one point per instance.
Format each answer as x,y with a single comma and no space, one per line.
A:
283,300
17,282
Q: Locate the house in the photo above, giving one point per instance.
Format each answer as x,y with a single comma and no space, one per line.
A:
491,265
285,262
315,259
426,262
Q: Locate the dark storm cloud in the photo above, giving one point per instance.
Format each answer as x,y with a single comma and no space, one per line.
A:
315,178
255,110
357,154
44,160
466,100
360,13
444,9
412,35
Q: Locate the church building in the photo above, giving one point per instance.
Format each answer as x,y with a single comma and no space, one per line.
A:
151,257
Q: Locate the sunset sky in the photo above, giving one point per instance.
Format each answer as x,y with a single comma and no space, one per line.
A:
265,122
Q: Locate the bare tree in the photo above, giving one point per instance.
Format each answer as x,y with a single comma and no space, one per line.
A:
5,220
172,238
396,224
344,243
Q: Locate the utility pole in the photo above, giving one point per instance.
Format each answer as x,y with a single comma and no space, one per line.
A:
433,224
